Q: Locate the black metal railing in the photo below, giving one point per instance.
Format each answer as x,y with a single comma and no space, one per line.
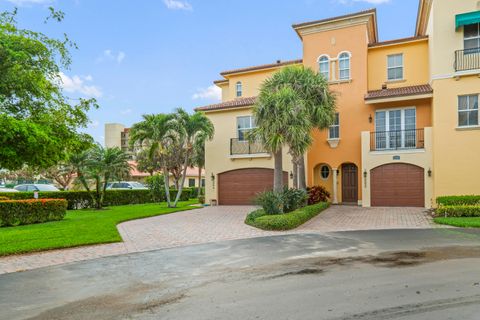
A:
241,146
468,59
397,140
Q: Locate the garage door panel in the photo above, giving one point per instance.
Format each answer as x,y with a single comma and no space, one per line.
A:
240,187
397,184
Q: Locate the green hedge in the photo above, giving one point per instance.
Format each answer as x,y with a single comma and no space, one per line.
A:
81,199
458,200
458,211
18,212
287,221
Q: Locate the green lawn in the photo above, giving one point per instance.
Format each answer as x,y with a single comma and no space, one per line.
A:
472,222
78,228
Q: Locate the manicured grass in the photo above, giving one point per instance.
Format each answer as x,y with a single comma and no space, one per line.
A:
287,221
470,222
79,227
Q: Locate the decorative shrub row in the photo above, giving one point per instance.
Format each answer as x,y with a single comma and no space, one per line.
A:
81,199
287,221
458,211
458,200
18,212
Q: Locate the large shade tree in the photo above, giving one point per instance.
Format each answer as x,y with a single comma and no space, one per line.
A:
291,104
38,123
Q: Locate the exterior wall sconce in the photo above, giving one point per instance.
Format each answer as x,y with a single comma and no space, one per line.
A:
429,172
365,177
370,119
291,175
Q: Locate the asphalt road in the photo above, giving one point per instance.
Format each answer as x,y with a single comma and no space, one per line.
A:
392,274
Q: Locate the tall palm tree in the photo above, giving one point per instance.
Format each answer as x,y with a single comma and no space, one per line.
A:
316,103
190,128
156,134
280,118
199,159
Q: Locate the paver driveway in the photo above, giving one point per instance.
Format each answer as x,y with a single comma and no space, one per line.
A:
216,224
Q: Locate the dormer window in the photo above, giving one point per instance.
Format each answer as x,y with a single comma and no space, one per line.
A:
324,67
239,89
344,66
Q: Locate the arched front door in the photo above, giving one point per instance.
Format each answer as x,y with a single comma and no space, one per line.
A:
349,183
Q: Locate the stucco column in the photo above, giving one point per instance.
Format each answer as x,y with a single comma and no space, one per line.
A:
334,172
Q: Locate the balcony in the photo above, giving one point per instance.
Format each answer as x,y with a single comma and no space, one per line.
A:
241,147
468,59
397,140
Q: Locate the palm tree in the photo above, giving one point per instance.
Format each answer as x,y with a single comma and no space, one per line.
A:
156,133
199,159
99,166
315,102
190,128
280,118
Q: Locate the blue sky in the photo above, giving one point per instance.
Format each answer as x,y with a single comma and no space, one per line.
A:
151,56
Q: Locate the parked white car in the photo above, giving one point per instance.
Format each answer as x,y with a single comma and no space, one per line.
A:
126,185
36,187
7,190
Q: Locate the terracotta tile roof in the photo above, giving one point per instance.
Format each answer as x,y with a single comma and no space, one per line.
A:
263,66
304,24
399,92
240,102
385,43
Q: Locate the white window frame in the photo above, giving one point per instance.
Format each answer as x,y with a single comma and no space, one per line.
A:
327,62
246,129
239,89
396,66
468,110
387,125
344,55
329,172
333,126
477,37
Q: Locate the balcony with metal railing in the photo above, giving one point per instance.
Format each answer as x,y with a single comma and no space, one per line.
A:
397,140
242,147
468,59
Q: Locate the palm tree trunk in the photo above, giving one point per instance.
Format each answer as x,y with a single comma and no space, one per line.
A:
184,174
302,181
166,184
278,171
295,172
199,192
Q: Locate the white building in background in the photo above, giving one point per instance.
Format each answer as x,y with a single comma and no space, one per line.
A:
117,135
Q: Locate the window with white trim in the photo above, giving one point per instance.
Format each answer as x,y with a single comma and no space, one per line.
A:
244,125
395,67
471,37
344,66
239,89
334,129
324,67
396,128
468,110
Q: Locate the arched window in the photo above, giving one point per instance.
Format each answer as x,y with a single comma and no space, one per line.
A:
324,67
239,89
344,66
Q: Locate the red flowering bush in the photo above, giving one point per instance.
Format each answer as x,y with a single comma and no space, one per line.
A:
317,194
19,212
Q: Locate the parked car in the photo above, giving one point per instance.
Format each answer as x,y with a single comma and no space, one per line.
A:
124,185
36,187
7,190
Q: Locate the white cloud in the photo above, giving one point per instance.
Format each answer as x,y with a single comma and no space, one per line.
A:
76,84
21,3
178,5
126,111
211,93
112,56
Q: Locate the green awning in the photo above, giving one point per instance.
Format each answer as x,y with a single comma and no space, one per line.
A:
467,18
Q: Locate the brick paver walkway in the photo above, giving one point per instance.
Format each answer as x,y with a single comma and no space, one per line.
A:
216,224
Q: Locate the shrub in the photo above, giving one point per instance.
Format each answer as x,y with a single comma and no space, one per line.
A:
458,211
317,194
19,212
293,199
201,199
458,200
81,199
288,221
270,201
156,186
2,198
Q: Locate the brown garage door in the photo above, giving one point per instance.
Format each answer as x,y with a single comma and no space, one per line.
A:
397,185
239,187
